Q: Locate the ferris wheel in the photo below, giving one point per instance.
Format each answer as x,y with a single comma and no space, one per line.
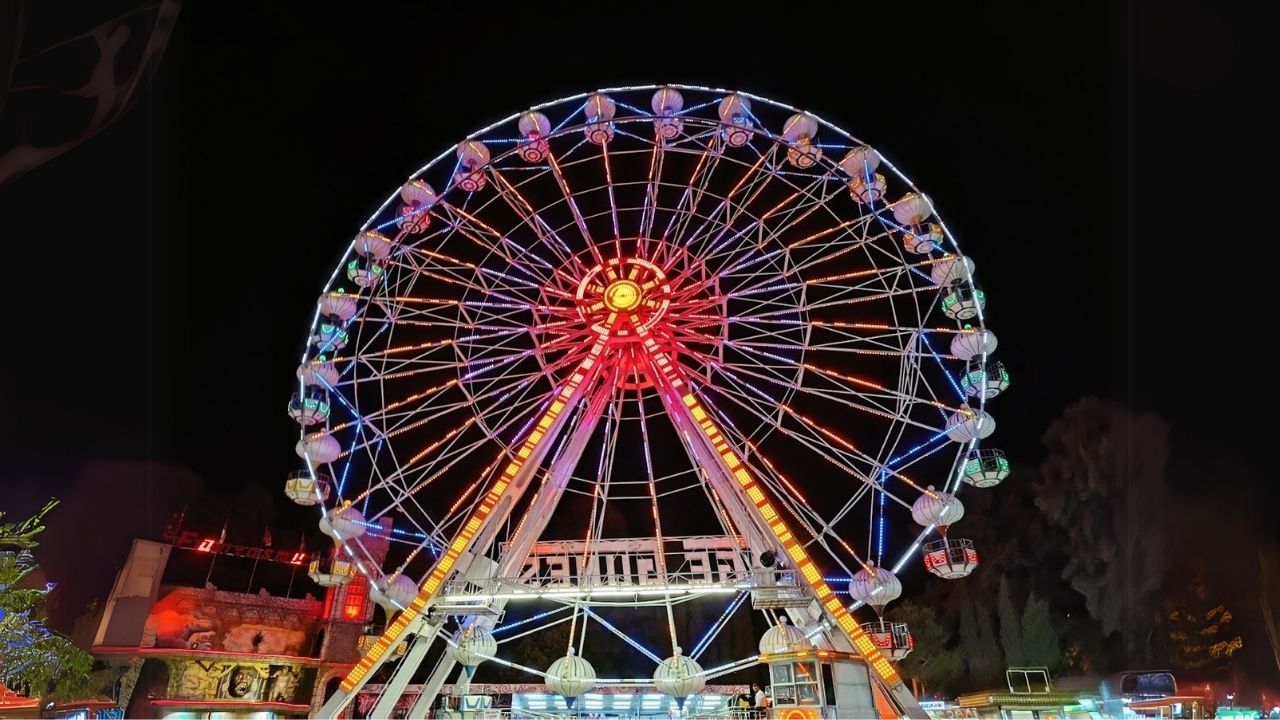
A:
632,318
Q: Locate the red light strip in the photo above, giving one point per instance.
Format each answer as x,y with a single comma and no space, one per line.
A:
392,636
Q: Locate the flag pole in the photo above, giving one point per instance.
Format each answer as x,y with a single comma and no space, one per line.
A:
266,543
217,549
302,548
252,572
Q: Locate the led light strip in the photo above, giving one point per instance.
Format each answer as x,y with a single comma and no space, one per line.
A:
392,636
755,492
710,589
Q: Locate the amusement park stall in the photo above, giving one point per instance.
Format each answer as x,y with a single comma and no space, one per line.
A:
183,651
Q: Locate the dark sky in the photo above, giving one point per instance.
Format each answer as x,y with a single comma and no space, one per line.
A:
161,276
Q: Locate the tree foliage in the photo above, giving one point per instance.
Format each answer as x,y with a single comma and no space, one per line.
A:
31,656
1010,625
1200,630
1104,484
1029,638
1041,645
933,662
978,644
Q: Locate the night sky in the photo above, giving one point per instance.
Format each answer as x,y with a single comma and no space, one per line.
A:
161,276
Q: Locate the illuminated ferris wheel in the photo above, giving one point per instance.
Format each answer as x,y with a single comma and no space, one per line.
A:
633,318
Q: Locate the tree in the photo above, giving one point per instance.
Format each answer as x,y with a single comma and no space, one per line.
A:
933,662
1269,595
1010,625
978,644
1041,644
31,657
1029,638
1104,484
1200,630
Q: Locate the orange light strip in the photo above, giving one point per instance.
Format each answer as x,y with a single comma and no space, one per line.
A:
756,493
462,541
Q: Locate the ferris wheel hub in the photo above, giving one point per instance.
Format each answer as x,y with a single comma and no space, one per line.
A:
622,295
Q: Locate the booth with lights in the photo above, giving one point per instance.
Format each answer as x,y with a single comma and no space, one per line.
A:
812,683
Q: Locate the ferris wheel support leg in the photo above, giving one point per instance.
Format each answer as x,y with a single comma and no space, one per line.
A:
726,461
531,526
342,698
335,704
395,686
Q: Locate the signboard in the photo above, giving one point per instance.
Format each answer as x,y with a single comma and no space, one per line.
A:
689,560
191,540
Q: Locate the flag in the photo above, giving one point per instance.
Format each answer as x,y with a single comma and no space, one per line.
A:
223,537
266,537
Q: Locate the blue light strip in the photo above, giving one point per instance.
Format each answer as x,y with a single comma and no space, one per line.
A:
924,336
534,618
626,638
719,623
880,530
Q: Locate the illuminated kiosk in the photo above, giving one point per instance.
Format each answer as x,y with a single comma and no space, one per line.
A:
810,684
677,312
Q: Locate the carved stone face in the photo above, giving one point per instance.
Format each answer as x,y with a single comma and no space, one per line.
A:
241,682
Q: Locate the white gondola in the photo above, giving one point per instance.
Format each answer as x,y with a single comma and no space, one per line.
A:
534,128
985,467
599,110
964,302
875,587
970,343
339,305
679,676
319,371
365,272
949,558
893,640
924,239
471,646
801,131
783,637
735,115
667,103
950,269
967,424
319,447
860,162
571,676
986,381
867,190
912,209
331,572
309,407
936,508
416,200
372,244
330,336
307,489
394,595
473,156
344,523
